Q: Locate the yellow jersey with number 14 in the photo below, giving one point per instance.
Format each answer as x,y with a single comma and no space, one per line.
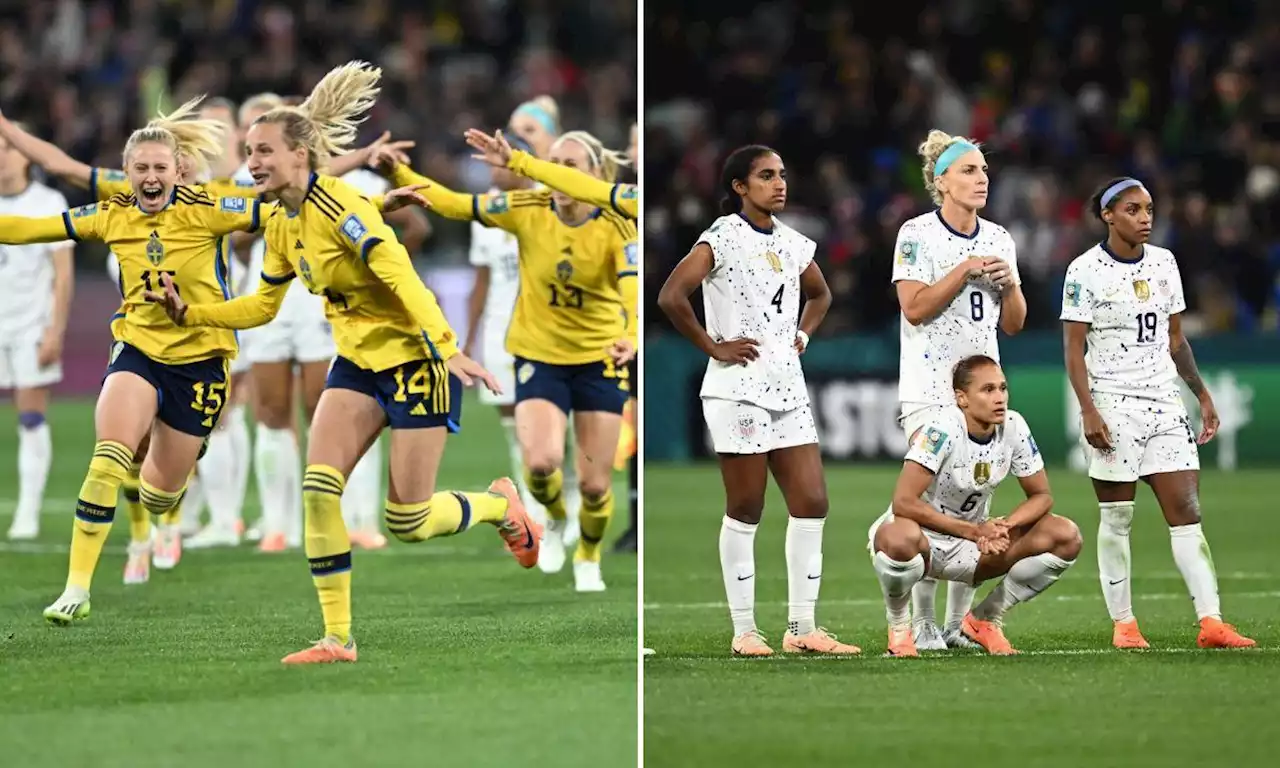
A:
339,247
578,284
183,241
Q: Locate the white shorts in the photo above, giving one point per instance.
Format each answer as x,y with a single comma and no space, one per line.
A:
950,558
299,334
501,364
744,428
19,368
1144,443
242,363
917,415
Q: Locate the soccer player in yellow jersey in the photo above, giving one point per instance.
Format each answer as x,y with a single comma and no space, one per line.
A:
398,362
496,151
573,333
169,383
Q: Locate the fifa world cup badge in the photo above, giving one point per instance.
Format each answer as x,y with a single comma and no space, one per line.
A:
981,473
1142,290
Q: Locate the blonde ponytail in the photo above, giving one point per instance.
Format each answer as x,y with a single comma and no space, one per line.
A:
327,122
607,160
930,150
196,143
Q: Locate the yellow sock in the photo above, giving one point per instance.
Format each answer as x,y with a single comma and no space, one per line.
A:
328,547
158,502
174,515
546,489
444,514
96,509
139,518
593,520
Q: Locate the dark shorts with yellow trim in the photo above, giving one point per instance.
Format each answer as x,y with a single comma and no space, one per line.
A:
583,388
418,395
190,397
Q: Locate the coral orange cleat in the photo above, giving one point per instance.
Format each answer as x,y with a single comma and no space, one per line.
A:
1215,633
368,539
522,534
1127,637
751,644
330,650
817,641
273,542
901,643
987,634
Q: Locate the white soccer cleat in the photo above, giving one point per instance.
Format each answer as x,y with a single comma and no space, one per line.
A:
254,532
586,577
649,652
72,605
137,569
571,532
212,536
166,548
24,528
928,637
954,638
551,554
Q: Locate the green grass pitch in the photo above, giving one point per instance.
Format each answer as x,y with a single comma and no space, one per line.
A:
1069,701
465,658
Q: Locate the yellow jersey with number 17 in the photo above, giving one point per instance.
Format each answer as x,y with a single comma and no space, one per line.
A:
578,284
339,247
183,241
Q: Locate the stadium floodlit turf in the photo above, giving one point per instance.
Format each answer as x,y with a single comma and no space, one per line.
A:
1069,701
465,658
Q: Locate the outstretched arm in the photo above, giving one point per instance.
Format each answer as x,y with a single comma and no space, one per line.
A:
46,155
444,201
22,230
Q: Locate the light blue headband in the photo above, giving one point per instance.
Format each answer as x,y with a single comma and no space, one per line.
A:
949,156
543,117
1114,190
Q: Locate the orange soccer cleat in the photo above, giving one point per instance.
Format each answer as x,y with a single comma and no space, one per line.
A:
817,641
1127,637
987,634
751,644
330,650
522,534
901,642
1215,633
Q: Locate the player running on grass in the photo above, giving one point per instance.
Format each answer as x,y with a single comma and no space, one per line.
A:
752,269
1123,299
940,527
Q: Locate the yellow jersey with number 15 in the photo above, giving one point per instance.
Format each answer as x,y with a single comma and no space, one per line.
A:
183,241
339,247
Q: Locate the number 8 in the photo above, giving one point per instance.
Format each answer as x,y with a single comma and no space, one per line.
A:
976,306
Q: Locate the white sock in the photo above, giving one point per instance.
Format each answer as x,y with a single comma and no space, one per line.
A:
923,596
218,476
1026,579
362,499
959,601
35,454
804,572
241,454
276,466
896,582
572,493
738,566
517,470
1191,553
1113,558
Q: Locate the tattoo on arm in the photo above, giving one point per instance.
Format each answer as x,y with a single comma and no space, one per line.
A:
1186,365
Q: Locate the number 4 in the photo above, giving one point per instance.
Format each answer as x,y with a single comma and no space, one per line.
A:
777,298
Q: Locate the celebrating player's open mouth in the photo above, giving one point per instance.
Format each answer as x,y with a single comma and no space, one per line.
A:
152,192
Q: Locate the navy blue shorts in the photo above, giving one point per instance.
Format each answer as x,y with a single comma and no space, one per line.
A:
582,388
190,397
418,395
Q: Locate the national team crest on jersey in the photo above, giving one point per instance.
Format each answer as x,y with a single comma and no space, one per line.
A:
564,270
775,263
1163,287
304,269
1071,292
497,204
235,204
907,252
1142,289
354,229
746,426
155,249
981,473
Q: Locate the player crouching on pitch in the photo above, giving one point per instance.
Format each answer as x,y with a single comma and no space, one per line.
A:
940,527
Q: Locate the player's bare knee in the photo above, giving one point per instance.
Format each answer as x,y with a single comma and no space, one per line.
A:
1067,540
594,489
543,464
900,540
747,511
273,416
811,505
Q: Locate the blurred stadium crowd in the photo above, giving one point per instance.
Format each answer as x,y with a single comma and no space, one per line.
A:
1064,93
84,73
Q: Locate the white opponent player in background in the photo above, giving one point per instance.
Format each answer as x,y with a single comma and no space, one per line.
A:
752,269
940,524
31,330
956,276
292,353
1123,299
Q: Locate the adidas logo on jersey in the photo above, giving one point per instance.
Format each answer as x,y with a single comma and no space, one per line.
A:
418,410
298,246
